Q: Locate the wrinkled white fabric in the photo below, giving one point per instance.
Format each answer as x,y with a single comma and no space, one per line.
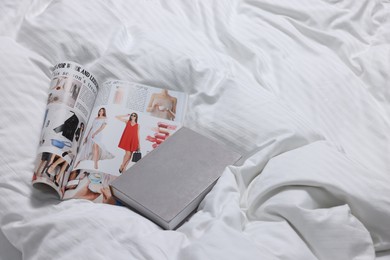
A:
300,87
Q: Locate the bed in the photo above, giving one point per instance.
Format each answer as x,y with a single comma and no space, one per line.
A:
301,88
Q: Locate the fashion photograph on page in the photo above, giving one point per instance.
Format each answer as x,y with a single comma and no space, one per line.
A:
129,141
53,169
163,105
89,185
64,90
93,147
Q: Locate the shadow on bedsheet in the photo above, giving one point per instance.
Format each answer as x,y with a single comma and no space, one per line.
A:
7,250
43,195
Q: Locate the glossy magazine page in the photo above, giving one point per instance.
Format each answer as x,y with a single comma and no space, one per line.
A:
128,121
71,96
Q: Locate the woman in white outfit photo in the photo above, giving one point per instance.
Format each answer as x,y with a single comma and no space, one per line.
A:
93,147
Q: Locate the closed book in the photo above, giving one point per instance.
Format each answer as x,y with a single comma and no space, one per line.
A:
168,184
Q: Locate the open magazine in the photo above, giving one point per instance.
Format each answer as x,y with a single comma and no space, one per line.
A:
92,133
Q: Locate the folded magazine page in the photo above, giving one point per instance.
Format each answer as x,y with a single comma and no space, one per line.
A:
128,121
71,97
91,134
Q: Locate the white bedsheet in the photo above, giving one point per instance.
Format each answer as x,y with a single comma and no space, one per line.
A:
300,87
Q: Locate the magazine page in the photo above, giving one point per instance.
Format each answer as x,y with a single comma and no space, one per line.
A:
128,120
71,97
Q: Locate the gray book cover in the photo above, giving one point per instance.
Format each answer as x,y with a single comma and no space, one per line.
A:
168,184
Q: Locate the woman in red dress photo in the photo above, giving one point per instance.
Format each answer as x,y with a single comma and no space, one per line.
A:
130,138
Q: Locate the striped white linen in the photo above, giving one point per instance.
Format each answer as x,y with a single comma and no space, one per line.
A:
300,87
